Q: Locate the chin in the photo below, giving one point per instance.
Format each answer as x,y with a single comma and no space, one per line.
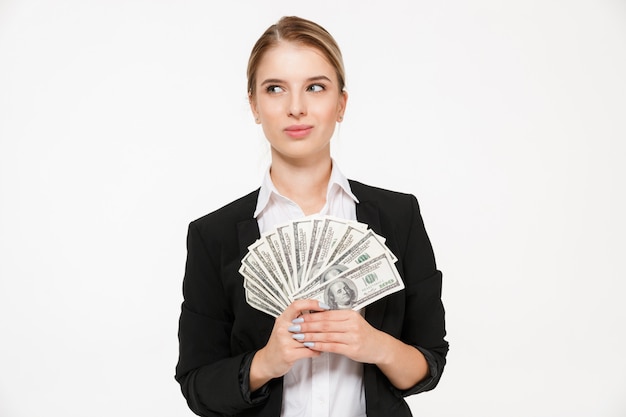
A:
301,152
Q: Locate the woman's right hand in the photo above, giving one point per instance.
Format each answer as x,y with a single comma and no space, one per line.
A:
282,350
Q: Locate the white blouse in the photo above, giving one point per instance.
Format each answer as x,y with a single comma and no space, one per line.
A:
331,384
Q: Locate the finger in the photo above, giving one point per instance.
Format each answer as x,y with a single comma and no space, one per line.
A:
343,338
299,307
331,315
304,352
302,324
319,347
327,323
326,326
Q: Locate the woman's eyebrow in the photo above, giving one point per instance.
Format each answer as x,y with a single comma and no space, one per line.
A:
272,81
308,80
319,78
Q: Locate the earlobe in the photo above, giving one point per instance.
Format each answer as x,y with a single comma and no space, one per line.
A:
257,120
343,100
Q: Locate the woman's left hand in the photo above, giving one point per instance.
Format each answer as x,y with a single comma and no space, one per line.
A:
345,332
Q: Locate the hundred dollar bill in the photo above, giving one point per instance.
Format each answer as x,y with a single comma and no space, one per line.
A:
315,234
252,269
288,250
330,228
301,230
358,287
280,255
265,257
263,294
260,299
354,231
258,294
295,259
369,246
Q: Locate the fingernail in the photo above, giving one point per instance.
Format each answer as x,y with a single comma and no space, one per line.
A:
324,306
298,320
298,336
294,328
309,344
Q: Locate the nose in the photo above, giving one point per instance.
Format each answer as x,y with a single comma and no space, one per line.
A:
297,105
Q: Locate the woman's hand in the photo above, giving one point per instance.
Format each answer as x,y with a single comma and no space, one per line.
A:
347,333
344,332
282,350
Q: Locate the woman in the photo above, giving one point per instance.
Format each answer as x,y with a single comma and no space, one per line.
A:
236,360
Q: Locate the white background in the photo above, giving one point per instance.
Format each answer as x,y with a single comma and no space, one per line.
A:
121,121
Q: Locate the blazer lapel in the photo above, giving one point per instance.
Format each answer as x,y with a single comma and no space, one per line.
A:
248,228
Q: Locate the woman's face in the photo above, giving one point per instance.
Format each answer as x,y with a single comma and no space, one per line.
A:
297,101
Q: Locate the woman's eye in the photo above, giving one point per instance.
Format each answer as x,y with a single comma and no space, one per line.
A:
316,88
274,89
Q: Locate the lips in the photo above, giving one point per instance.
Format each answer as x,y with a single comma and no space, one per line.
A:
298,131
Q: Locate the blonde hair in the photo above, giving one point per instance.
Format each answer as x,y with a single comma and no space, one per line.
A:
302,31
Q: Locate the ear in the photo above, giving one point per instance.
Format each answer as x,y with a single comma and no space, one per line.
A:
341,105
253,107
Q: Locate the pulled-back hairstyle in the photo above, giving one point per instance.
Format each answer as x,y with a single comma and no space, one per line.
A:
298,30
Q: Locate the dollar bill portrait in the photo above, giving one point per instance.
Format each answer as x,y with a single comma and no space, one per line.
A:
341,294
332,272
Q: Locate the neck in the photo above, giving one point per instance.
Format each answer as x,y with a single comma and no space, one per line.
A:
303,183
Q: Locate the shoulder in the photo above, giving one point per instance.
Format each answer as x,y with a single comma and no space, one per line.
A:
384,198
386,211
232,213
359,186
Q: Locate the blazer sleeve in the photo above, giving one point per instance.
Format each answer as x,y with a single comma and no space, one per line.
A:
424,319
210,378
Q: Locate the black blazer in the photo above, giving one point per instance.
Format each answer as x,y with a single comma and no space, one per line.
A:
219,332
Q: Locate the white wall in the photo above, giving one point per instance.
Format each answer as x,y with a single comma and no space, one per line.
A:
121,121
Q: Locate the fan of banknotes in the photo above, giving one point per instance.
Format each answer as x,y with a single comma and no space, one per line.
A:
339,262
